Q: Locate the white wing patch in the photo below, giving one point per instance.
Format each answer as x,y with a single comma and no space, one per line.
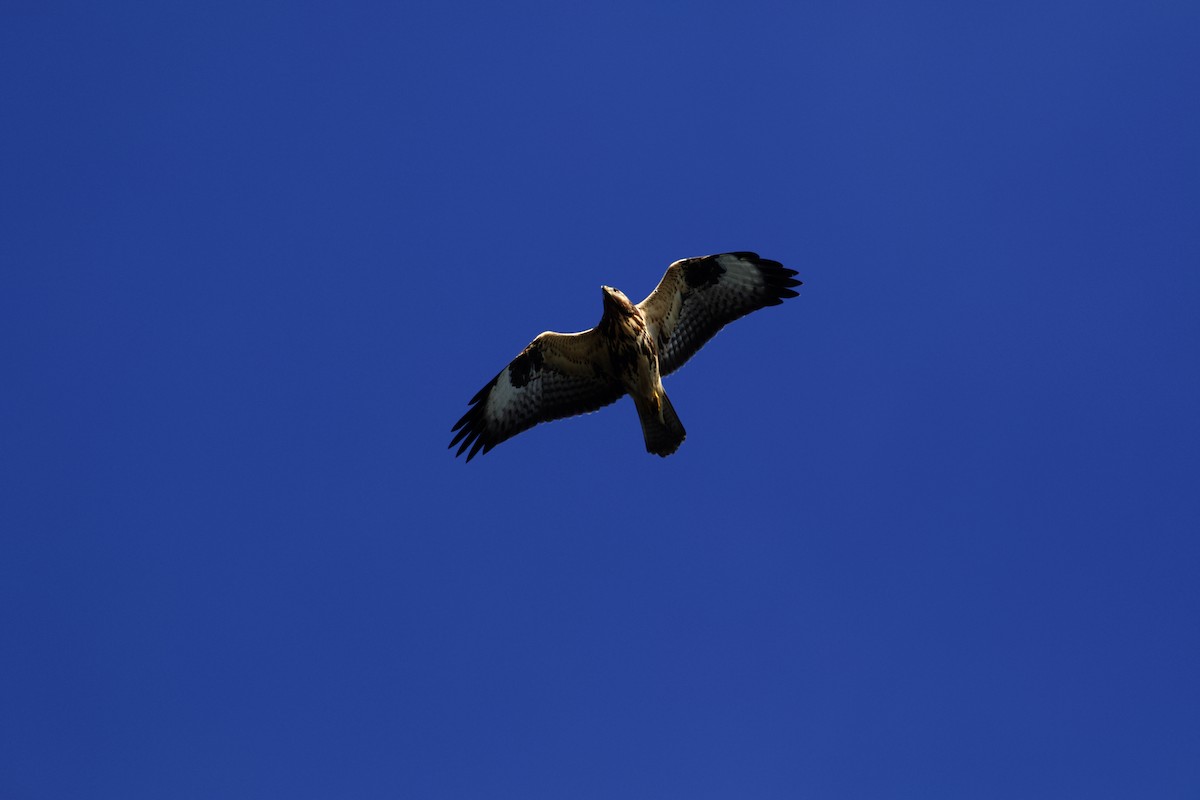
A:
502,396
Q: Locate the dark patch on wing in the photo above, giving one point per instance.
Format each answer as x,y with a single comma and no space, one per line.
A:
524,366
714,298
699,273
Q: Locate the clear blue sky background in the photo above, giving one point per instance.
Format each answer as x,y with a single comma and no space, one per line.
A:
934,531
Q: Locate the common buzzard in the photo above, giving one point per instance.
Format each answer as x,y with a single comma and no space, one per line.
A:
564,374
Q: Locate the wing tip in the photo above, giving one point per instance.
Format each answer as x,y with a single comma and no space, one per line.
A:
779,280
471,428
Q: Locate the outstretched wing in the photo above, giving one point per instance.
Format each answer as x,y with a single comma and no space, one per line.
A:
699,296
556,376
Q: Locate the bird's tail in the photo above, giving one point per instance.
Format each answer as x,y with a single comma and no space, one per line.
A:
660,426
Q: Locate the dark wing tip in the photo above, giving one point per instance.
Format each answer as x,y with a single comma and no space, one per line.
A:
472,427
779,279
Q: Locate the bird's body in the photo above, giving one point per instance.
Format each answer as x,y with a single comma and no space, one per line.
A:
628,352
633,360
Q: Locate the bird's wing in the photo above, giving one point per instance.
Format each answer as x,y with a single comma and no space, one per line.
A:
699,296
558,375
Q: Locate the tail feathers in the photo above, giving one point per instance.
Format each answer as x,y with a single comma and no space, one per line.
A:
663,435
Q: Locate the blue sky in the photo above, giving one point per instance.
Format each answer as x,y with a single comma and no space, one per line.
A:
933,532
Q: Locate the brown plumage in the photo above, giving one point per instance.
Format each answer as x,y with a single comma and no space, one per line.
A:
628,352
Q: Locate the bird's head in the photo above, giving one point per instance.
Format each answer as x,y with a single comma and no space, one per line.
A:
615,298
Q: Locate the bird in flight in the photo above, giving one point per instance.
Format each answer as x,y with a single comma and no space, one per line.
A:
629,352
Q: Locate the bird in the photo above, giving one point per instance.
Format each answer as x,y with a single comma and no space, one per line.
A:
629,352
